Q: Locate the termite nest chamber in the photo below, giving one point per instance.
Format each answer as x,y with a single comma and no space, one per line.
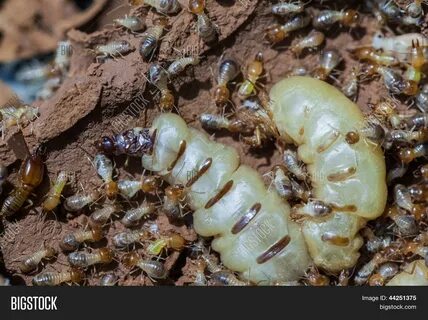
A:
302,162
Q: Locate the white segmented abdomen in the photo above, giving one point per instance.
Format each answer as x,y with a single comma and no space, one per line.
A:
252,229
311,112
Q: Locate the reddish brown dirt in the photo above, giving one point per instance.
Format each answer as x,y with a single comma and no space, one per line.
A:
94,95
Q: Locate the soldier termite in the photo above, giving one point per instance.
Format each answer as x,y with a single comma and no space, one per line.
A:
329,60
127,238
151,38
86,259
55,279
133,216
276,33
296,102
79,201
284,8
173,241
179,65
30,177
162,6
109,280
104,167
72,241
408,155
100,217
153,269
132,23
313,40
252,74
227,278
205,27
147,184
228,70
3,176
53,198
398,45
32,262
326,18
385,272
113,49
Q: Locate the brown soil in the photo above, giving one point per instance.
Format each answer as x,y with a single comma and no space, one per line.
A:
95,94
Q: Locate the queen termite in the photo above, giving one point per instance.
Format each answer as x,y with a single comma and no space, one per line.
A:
260,241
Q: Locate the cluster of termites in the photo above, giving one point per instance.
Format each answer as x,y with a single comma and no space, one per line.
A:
120,234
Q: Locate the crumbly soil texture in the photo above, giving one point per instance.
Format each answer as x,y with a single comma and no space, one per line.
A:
96,95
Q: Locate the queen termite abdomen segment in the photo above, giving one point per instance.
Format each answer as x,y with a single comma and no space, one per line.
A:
246,218
202,169
273,250
335,239
342,174
219,195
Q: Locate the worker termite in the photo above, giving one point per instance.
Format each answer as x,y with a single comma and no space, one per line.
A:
329,60
53,198
174,241
416,121
283,8
113,49
147,184
408,155
315,278
72,241
153,269
159,77
386,112
313,208
3,176
79,201
288,188
32,262
406,224
293,165
311,41
109,280
162,6
228,70
217,122
405,137
133,216
55,279
298,102
375,243
205,27
172,202
414,8
276,33
350,86
253,72
132,23
369,54
421,100
179,65
200,279
99,217
85,259
211,262
151,38
227,278
326,18
419,192
385,272
17,116
127,238
30,177
104,167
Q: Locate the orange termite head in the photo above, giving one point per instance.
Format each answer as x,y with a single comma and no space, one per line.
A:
111,190
176,242
221,95
97,233
76,275
197,6
106,255
150,184
131,259
363,52
274,33
351,18
161,21
376,280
